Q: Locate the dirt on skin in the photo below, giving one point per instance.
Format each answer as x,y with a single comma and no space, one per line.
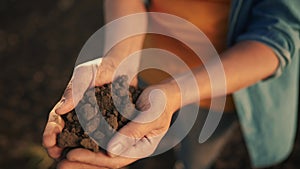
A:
99,115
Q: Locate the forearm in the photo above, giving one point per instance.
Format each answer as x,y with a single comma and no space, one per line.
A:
247,63
244,64
116,9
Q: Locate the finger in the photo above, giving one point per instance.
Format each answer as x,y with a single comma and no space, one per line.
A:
143,148
98,159
55,118
134,81
66,104
54,152
83,78
50,134
49,139
140,126
126,137
53,127
152,103
65,164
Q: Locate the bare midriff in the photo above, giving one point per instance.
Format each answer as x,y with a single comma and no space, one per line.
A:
211,17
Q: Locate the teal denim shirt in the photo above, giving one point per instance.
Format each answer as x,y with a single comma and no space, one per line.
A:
268,110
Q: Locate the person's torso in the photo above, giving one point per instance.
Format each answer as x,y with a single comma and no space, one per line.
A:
210,16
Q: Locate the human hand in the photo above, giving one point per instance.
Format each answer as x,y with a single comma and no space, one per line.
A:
93,73
137,139
83,77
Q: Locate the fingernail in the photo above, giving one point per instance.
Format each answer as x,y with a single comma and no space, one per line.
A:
62,101
58,106
117,149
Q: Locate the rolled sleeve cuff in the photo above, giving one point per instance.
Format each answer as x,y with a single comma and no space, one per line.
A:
273,41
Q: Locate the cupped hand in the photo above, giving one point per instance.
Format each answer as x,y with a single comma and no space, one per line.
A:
137,139
93,73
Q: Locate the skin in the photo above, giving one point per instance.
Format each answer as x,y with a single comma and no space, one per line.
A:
245,63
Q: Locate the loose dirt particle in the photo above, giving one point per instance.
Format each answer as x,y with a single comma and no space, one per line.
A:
98,108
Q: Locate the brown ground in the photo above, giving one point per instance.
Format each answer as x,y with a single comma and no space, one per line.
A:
39,43
97,115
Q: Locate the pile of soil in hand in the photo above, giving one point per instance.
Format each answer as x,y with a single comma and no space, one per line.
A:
99,116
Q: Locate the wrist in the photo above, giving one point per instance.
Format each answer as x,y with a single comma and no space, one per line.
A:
183,90
173,95
125,48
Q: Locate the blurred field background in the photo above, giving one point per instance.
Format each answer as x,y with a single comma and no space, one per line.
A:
39,43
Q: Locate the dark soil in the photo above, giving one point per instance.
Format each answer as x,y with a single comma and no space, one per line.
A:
96,112
39,43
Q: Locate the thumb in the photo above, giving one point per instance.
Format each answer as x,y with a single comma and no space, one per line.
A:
82,79
139,129
126,137
66,103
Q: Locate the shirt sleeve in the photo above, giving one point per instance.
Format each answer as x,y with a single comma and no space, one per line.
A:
275,23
